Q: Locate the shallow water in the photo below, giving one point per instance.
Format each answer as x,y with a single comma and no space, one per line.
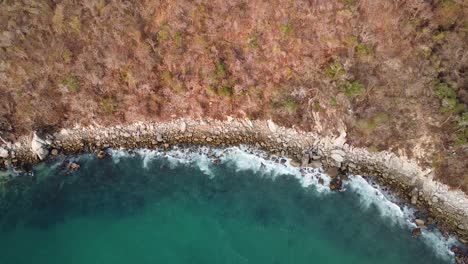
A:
151,208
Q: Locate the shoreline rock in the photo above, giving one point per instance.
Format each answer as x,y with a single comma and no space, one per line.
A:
403,177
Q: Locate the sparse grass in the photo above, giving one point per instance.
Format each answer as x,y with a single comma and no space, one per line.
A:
351,41
126,76
363,50
75,24
109,105
179,38
447,13
291,105
67,56
252,41
225,91
163,34
439,37
333,101
221,70
72,84
375,121
168,80
286,29
349,3
317,106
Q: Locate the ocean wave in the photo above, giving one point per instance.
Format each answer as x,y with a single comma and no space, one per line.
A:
244,158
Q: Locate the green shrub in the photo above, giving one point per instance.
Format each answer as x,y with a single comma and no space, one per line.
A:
225,91
363,50
333,101
449,100
178,38
286,29
252,42
163,34
439,37
352,89
442,91
334,69
375,121
72,84
291,106
221,69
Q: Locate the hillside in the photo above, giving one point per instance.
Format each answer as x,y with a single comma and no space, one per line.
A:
394,73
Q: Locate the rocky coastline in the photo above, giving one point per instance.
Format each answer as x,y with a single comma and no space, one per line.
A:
436,202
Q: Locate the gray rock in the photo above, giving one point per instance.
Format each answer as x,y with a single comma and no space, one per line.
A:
272,126
416,232
3,153
305,160
461,227
338,152
183,127
38,147
294,163
435,199
54,152
337,157
414,196
419,222
315,164
159,138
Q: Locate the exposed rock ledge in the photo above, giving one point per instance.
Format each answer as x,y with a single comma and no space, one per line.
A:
413,183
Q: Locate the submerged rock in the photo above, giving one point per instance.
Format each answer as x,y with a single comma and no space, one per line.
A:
102,155
336,184
73,167
416,232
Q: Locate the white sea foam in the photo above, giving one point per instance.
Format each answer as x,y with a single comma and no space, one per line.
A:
384,202
247,159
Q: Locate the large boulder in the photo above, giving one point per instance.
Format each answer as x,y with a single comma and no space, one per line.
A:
305,160
3,153
39,147
183,127
336,184
272,126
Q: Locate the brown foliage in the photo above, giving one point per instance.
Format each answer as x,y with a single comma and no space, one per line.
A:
372,63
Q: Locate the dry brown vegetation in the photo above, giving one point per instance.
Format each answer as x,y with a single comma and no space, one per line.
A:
395,72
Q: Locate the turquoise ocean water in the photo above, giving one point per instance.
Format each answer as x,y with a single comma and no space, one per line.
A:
172,208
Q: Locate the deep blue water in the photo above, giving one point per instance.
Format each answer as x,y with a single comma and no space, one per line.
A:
134,209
